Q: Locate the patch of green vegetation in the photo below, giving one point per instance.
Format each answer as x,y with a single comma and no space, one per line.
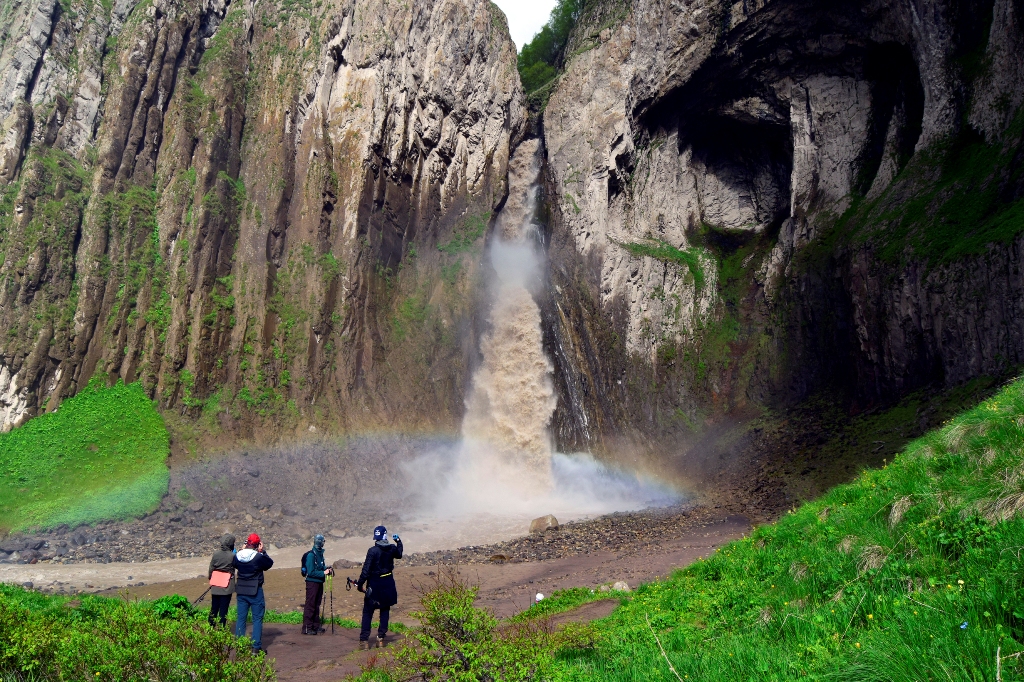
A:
563,600
909,573
540,59
450,273
663,251
330,266
95,638
959,205
457,641
411,314
102,455
466,234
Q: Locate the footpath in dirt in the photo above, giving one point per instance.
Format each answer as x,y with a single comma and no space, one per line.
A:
506,586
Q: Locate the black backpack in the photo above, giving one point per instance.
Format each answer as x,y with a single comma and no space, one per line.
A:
303,567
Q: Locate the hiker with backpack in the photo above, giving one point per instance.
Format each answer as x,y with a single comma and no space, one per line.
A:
379,580
315,570
250,563
222,563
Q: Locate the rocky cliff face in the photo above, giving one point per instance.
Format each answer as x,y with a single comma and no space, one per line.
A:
760,200
274,215
250,207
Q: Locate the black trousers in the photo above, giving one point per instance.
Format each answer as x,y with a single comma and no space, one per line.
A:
219,604
368,609
311,613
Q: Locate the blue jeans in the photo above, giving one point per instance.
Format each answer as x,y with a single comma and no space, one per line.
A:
258,606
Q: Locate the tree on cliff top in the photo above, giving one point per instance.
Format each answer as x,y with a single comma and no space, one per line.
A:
541,58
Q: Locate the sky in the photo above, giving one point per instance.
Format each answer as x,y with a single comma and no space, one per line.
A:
525,18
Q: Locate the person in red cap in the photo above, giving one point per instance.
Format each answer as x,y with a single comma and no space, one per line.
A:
250,564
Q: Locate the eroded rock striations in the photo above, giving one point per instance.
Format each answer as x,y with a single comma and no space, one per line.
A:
250,206
274,214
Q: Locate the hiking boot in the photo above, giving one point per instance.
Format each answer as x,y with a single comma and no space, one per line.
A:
308,632
380,642
364,645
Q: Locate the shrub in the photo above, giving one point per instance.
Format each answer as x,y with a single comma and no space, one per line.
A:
458,642
96,638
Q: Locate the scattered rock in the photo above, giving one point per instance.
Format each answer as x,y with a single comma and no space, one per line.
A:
12,545
288,511
498,559
338,533
27,585
344,564
621,586
196,507
605,588
275,511
543,523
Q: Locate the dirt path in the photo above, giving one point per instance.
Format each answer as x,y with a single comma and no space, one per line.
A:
505,588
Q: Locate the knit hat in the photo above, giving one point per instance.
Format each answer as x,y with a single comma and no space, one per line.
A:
253,540
380,533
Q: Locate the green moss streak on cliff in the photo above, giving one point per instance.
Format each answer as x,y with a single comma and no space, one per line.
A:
466,234
663,251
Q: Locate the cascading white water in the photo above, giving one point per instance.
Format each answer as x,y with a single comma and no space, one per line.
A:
504,470
505,430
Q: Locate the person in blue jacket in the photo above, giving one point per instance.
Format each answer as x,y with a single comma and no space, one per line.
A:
316,572
379,580
250,563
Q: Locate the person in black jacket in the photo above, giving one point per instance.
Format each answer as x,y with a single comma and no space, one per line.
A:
316,572
250,564
379,580
220,597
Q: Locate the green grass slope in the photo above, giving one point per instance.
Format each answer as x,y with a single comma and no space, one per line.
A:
912,572
102,455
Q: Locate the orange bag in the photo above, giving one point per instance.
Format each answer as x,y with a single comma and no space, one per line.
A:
220,579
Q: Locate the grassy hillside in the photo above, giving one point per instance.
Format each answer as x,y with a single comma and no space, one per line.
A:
912,572
102,455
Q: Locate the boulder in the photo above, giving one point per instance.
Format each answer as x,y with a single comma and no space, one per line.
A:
275,511
543,523
13,545
196,507
621,586
338,533
344,564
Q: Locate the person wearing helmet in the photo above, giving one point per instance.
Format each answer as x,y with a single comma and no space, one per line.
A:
316,570
377,582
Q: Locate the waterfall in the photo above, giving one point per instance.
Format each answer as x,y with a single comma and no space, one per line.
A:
512,398
504,469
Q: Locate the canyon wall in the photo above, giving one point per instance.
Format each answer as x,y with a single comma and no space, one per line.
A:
250,207
754,202
274,215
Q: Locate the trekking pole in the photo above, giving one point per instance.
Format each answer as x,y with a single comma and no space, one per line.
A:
202,595
323,604
330,584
